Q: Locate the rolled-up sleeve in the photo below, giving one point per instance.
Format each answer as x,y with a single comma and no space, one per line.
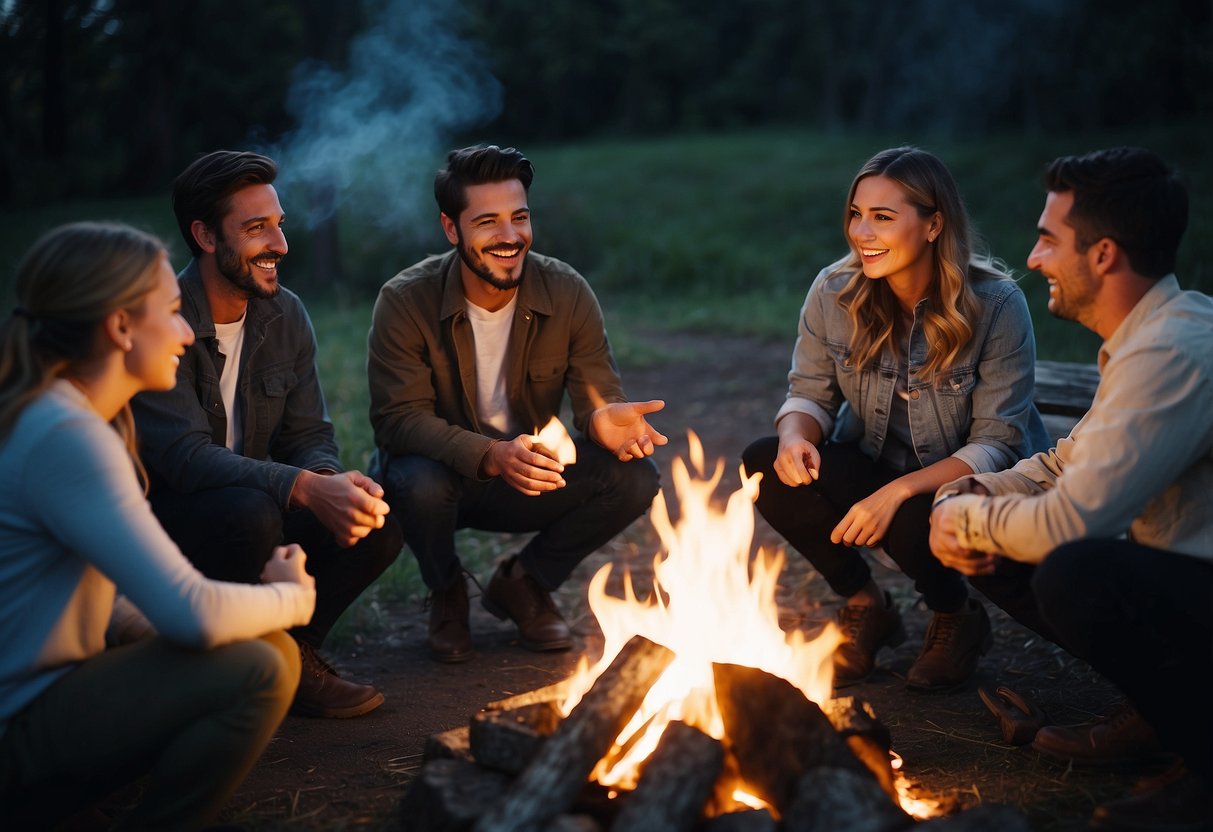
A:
813,381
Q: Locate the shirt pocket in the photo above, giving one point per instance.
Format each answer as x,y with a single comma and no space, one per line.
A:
955,396
545,377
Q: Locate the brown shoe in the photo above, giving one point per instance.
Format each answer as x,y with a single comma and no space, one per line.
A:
323,693
1176,801
1120,739
449,638
865,629
530,607
951,649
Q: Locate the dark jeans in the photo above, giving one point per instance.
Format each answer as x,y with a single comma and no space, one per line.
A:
601,497
1143,618
805,516
229,533
195,721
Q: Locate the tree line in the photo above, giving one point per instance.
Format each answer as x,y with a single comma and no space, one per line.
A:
105,97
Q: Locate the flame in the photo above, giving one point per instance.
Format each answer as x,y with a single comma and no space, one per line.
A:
710,603
557,440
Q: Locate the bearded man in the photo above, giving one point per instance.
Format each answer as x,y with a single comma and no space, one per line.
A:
241,454
472,352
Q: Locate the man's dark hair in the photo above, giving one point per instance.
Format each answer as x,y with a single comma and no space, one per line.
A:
204,190
477,165
1129,195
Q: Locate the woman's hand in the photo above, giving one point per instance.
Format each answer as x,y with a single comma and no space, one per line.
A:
869,519
286,564
797,462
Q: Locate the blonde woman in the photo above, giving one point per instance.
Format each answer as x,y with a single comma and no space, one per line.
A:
913,366
193,702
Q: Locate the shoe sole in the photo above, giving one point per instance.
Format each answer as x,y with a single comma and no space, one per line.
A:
340,713
450,658
500,614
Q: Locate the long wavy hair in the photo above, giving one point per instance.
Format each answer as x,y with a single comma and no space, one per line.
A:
67,284
951,308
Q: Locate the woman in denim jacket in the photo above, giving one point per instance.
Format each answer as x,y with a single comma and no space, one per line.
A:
915,360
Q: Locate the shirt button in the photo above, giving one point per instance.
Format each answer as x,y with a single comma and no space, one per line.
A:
914,394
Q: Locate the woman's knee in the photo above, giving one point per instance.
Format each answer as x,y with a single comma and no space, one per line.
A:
759,455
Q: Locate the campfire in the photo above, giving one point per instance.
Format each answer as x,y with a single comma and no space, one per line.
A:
700,709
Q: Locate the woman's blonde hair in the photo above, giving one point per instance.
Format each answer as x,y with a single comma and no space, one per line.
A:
67,284
951,307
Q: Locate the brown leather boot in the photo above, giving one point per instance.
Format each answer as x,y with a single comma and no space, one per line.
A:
1122,738
865,629
450,639
954,643
523,600
323,693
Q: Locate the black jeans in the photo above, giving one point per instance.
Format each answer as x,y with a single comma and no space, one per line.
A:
601,497
805,516
229,533
1143,618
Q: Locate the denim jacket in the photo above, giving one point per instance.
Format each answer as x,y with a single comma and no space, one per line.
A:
182,432
980,412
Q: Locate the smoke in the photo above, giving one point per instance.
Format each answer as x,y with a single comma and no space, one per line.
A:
370,137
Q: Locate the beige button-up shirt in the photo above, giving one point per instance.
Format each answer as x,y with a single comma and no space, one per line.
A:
1140,463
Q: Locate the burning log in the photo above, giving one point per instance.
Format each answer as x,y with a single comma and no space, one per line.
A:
676,782
558,772
830,798
776,733
448,745
866,736
508,740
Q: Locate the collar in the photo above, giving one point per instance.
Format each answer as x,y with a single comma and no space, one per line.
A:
197,309
1160,293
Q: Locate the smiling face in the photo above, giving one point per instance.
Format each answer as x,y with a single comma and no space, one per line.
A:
493,235
1072,286
892,239
249,242
159,335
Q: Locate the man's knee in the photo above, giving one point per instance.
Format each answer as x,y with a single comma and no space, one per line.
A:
416,486
635,482
1060,574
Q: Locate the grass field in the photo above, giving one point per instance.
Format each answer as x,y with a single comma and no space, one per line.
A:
717,233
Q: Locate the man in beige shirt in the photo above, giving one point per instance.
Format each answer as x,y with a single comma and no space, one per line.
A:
1105,543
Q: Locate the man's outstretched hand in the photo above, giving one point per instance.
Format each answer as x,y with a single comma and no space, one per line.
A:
623,430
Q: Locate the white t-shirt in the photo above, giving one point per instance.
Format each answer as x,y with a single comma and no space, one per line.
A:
231,344
491,332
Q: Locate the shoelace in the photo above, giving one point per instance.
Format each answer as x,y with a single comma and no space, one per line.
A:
850,621
312,661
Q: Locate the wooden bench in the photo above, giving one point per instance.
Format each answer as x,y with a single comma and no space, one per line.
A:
1064,391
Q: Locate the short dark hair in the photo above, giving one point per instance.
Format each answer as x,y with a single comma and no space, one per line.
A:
478,165
204,190
1127,194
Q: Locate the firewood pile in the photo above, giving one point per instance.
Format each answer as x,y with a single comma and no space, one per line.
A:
520,767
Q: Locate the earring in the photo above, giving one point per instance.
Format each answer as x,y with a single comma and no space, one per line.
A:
129,345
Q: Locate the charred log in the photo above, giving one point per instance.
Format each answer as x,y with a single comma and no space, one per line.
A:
829,798
449,745
776,733
675,782
508,740
449,795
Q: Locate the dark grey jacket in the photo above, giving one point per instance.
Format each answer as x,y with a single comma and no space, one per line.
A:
286,424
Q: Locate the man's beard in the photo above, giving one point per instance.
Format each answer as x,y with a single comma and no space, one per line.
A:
479,268
240,272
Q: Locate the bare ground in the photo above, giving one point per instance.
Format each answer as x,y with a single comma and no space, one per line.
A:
350,774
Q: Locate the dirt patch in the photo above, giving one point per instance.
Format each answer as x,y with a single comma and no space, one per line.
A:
350,774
